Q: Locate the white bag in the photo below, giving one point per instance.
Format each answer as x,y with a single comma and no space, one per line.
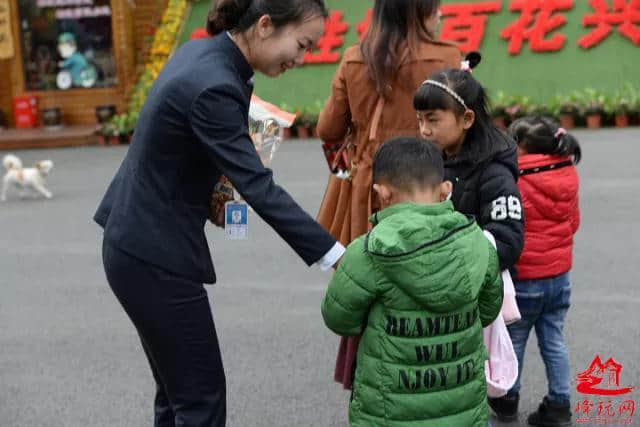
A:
509,310
501,369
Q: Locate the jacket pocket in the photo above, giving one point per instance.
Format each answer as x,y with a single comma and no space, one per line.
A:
530,303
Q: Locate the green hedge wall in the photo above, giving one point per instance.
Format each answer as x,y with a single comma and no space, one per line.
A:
606,67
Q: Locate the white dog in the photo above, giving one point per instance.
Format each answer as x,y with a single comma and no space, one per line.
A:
25,178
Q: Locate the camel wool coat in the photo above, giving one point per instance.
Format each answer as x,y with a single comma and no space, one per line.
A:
355,105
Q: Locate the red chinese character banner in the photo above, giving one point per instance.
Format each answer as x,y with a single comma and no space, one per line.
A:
624,15
539,24
532,48
536,25
333,38
464,23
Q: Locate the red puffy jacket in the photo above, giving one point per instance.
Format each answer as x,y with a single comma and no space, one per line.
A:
552,215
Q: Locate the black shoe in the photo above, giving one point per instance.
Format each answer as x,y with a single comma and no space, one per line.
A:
505,408
551,414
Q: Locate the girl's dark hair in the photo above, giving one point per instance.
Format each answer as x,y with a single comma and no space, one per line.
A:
240,15
395,25
541,135
483,138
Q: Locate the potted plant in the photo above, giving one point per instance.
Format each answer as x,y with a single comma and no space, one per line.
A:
286,132
108,134
593,106
316,109
566,108
517,107
632,94
498,109
122,126
539,110
302,124
618,107
128,126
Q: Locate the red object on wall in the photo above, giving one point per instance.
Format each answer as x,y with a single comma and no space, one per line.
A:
199,33
625,15
465,23
334,29
25,111
537,19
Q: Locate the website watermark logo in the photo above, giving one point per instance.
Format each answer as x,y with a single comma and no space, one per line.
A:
603,379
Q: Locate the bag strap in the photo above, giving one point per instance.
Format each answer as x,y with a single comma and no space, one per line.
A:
375,120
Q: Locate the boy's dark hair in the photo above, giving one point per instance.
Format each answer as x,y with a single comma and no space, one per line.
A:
240,15
406,163
483,137
541,135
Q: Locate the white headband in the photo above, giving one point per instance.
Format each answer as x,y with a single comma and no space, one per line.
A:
448,90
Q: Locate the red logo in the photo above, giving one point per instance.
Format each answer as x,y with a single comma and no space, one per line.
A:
602,379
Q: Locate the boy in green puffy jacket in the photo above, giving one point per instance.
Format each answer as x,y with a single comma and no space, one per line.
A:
419,287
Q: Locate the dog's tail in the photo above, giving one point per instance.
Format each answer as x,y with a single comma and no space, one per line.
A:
11,162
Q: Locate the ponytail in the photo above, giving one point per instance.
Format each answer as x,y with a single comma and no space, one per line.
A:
240,15
567,145
541,135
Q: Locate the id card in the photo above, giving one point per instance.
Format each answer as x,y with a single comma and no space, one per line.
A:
236,220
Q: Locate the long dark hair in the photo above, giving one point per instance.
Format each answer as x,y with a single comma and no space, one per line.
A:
395,24
483,138
541,135
240,15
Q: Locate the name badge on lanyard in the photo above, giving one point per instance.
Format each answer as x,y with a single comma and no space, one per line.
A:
236,220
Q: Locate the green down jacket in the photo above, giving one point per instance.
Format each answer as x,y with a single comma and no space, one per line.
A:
422,285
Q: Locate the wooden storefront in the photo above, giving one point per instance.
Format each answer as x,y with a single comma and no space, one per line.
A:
132,23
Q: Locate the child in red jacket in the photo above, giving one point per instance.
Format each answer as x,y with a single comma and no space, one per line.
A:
548,184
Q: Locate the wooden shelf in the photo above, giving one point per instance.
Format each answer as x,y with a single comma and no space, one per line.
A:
67,136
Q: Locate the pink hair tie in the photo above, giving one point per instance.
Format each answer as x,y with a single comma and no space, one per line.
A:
560,132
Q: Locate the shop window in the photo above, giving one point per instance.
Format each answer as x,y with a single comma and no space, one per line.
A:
67,44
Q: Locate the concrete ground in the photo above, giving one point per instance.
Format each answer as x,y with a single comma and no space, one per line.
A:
70,357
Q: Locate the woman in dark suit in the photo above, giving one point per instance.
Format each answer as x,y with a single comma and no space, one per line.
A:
193,129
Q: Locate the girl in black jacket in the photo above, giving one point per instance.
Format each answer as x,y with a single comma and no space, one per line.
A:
480,160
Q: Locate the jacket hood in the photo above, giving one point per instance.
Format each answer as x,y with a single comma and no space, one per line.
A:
504,150
431,252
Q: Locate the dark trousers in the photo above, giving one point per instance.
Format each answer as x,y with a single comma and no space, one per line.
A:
174,322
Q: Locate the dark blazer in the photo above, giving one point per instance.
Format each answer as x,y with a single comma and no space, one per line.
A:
193,128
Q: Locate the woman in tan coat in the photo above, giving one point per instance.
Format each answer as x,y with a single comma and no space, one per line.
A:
371,102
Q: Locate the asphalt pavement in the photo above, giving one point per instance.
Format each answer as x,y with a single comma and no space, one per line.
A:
70,357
